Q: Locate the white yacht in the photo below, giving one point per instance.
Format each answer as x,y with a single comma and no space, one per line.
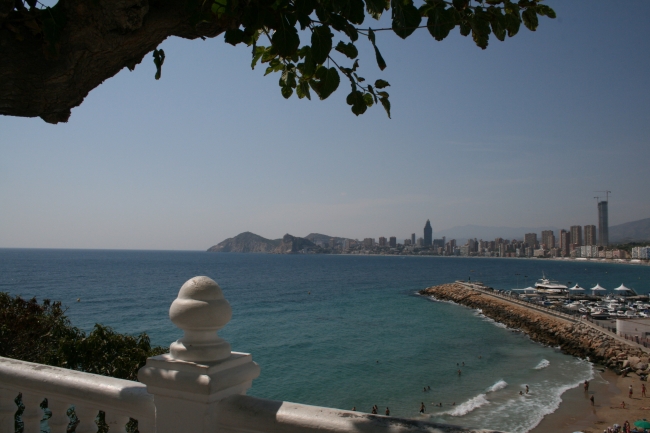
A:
545,285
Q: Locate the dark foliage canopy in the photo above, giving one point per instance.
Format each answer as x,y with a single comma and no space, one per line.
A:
41,333
53,56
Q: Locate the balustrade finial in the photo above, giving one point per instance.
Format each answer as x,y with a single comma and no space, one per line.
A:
200,310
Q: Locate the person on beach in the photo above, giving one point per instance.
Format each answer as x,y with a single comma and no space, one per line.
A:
422,407
586,385
526,389
629,394
459,372
354,408
622,405
424,389
643,390
592,400
521,393
374,410
387,411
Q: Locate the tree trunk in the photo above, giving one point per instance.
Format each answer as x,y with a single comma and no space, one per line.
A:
97,39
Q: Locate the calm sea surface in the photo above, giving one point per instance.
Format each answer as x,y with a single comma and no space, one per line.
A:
338,331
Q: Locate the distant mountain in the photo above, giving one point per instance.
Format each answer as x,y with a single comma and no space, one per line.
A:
487,233
630,232
246,242
317,237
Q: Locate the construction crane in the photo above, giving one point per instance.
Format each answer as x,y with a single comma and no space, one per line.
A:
607,193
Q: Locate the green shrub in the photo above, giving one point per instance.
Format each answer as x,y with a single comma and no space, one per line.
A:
42,333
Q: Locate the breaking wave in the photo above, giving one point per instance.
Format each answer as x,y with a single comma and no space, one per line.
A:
542,364
497,386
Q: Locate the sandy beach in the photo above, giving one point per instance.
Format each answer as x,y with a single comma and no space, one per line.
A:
577,414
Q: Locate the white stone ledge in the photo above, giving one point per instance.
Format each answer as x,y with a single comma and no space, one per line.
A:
241,413
76,387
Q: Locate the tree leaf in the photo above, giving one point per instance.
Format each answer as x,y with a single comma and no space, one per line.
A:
380,84
357,101
286,91
513,22
234,36
376,7
546,11
302,90
328,82
321,44
530,19
285,40
386,104
440,22
406,18
348,49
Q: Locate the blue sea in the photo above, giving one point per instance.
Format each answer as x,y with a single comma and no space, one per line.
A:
339,331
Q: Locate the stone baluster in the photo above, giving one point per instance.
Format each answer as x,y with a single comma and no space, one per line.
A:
87,416
188,383
116,422
59,421
33,414
8,410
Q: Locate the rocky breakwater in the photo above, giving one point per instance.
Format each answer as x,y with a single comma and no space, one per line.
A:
574,338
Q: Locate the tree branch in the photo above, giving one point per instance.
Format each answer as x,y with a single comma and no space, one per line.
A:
96,40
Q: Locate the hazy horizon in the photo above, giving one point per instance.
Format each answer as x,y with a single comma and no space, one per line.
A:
521,134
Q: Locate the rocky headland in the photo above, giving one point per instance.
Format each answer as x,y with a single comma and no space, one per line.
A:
248,242
574,338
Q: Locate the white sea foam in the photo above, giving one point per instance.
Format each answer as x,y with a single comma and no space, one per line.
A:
542,364
497,386
468,406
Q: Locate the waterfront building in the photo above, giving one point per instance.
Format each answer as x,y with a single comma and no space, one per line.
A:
540,252
428,234
548,239
392,242
412,238
589,251
382,241
603,224
565,243
641,252
420,242
464,250
369,242
407,242
576,235
590,235
439,243
530,239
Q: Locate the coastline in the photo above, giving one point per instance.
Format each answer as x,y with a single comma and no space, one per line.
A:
575,412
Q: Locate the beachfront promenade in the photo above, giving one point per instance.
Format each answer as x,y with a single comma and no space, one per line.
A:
199,387
570,318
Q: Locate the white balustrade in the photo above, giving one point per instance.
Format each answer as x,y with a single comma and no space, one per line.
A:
198,387
8,409
33,414
89,393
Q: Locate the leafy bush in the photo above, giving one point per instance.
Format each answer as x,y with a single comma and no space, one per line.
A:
42,333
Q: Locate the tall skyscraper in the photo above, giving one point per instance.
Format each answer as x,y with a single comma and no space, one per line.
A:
382,241
428,234
393,242
576,235
590,235
412,238
531,239
548,239
565,243
603,224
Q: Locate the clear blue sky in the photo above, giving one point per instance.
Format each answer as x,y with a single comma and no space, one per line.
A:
521,134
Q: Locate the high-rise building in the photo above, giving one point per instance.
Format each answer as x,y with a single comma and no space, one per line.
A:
590,235
530,239
412,238
382,241
392,242
603,224
369,242
548,239
576,235
428,234
565,242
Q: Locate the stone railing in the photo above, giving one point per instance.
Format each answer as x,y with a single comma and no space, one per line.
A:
198,387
